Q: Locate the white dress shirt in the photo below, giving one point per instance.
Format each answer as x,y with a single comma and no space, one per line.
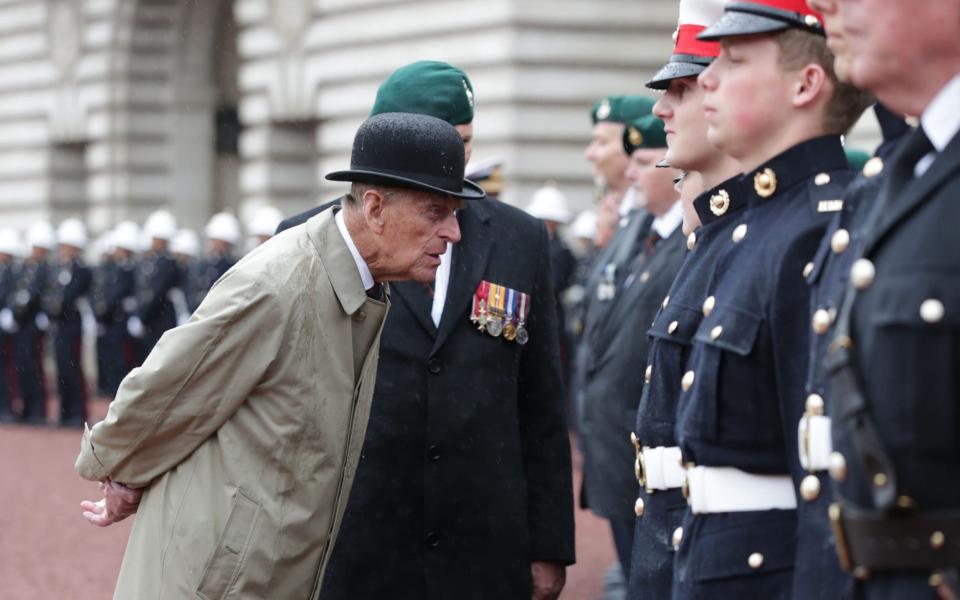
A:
940,121
668,222
365,276
441,284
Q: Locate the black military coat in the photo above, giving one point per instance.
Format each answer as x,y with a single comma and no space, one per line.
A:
817,571
651,572
156,275
904,340
465,476
613,378
747,368
68,284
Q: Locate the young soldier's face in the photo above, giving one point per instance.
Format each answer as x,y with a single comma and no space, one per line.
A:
681,110
747,95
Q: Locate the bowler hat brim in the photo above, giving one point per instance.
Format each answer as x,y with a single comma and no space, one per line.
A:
469,191
674,70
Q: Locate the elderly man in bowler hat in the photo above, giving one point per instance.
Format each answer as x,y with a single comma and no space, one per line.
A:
244,426
464,486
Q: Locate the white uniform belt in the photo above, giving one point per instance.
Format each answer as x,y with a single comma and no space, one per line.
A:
663,468
726,489
815,442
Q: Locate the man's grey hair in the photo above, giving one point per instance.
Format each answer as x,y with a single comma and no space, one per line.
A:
358,189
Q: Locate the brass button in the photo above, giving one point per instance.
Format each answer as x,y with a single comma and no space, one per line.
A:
815,405
638,507
755,560
931,310
822,179
677,537
906,503
715,332
862,273
935,580
687,382
719,203
666,301
648,374
739,233
691,241
807,269
765,183
821,322
645,277
810,488
708,305
861,573
838,466
873,167
937,540
840,241
880,479
672,327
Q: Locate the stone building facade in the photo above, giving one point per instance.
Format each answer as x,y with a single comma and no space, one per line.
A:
112,108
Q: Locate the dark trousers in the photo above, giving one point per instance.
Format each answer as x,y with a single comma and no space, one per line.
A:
117,354
71,384
6,373
623,541
29,366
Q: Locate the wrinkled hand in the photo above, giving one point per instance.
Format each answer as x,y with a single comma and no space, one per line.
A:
118,503
548,579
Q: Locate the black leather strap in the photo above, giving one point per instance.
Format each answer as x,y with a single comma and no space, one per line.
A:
879,541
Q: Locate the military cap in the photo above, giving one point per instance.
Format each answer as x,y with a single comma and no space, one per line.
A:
856,158
488,174
621,109
764,16
645,132
427,87
690,55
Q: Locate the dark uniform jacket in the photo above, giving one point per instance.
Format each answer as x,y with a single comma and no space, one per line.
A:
156,276
207,272
465,477
817,571
69,283
903,343
8,277
613,380
748,365
651,572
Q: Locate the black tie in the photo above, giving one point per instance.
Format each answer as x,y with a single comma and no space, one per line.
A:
376,292
652,240
916,146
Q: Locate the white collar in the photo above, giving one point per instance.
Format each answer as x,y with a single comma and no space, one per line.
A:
941,119
668,222
365,276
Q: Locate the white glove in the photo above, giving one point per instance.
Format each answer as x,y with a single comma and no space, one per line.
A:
43,323
135,327
7,322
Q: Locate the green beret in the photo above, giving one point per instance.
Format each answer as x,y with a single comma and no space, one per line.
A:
427,87
856,158
645,132
621,109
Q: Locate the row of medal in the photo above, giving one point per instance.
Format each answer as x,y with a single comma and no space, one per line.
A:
499,310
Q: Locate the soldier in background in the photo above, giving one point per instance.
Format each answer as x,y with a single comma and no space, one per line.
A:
185,248
114,305
263,224
9,250
223,236
157,274
32,323
101,275
68,288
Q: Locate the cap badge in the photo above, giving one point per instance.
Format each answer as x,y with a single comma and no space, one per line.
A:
765,183
636,138
720,202
469,92
811,21
603,111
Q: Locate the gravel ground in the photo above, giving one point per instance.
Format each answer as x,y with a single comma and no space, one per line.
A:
47,550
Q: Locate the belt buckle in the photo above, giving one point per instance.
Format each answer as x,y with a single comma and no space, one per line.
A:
843,548
640,468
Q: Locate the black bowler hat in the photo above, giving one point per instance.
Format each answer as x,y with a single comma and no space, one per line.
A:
412,151
764,16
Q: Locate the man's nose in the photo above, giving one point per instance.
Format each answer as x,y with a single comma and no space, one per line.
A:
450,230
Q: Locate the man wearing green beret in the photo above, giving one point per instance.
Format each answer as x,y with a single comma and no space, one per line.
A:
612,378
464,488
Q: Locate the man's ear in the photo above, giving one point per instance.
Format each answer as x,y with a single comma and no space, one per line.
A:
373,207
812,82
